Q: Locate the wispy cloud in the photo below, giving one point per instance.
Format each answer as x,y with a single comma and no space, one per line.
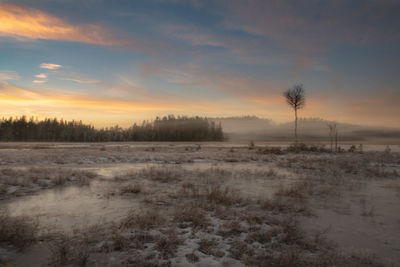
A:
217,79
306,31
8,75
84,81
36,24
39,81
50,66
41,76
194,35
193,3
23,95
309,27
30,23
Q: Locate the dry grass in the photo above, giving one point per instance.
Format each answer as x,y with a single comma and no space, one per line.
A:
240,250
167,244
209,246
69,250
148,259
231,228
33,179
3,190
130,189
290,199
270,150
17,231
144,220
162,174
192,257
299,190
189,214
209,196
222,196
359,166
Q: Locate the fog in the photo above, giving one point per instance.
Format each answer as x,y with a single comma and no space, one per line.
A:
309,129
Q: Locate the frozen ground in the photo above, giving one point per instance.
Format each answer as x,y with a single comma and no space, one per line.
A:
209,204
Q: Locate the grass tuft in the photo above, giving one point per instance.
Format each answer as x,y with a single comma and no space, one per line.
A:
144,220
18,231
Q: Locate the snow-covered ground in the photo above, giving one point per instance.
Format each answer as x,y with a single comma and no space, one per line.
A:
203,204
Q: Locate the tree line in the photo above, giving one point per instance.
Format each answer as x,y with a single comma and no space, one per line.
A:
167,128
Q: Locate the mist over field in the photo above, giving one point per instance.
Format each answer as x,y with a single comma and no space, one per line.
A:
247,128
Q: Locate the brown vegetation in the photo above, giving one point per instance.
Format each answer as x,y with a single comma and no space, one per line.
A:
17,231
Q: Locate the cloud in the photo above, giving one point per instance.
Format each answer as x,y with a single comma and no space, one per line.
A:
8,75
193,3
26,23
39,81
310,25
31,23
41,76
216,79
194,35
306,30
50,66
21,95
84,81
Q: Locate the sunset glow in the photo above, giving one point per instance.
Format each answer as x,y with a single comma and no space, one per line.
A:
122,63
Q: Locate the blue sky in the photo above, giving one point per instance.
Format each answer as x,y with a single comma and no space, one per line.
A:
119,62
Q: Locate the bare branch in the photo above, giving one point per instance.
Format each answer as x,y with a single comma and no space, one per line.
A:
295,96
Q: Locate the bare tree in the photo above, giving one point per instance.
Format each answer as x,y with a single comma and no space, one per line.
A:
333,135
296,98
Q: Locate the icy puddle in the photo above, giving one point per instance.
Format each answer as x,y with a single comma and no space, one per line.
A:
71,206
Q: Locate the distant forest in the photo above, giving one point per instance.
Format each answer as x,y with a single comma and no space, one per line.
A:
168,128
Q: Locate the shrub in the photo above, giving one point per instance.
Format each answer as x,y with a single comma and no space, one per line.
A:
190,214
301,147
271,150
18,231
130,189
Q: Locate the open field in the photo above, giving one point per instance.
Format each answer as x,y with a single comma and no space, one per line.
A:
202,204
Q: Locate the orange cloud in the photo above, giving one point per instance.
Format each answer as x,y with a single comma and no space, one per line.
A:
39,81
36,24
41,76
20,96
50,66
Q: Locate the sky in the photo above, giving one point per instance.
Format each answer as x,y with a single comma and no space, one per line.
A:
120,62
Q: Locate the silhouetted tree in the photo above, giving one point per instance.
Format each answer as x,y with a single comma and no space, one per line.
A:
296,98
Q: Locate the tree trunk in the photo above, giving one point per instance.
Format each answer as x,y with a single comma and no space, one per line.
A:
336,139
295,126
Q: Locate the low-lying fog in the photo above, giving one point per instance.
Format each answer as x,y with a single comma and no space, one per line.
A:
310,129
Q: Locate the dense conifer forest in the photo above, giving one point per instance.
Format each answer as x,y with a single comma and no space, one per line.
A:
169,128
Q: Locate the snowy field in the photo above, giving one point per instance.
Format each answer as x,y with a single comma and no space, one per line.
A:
201,204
